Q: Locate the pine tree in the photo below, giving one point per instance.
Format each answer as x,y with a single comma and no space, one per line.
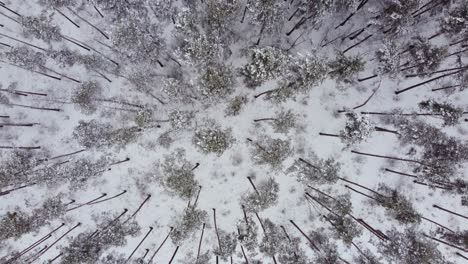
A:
410,247
188,224
264,64
358,128
264,196
271,151
40,27
344,68
449,113
213,139
322,171
177,175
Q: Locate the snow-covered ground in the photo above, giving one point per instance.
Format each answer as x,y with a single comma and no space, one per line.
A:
223,176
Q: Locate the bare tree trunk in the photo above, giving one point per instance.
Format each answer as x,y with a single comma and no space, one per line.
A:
196,198
448,211
426,82
434,222
139,208
329,135
445,87
35,244
15,189
245,215
243,15
139,244
173,255
97,232
253,185
71,21
322,193
55,242
264,119
160,246
11,147
89,23
460,255
216,229
362,186
308,163
386,157
110,198
446,243
366,195
358,43
245,256
306,236
87,203
200,242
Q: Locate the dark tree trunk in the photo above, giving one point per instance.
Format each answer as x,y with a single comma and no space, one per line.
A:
434,222
160,246
448,211
253,185
200,242
329,135
139,208
245,256
446,243
35,244
368,78
386,157
139,244
55,242
111,223
110,198
426,82
173,255
216,228
306,236
358,43
71,21
87,203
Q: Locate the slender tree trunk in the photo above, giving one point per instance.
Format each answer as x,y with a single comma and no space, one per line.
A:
386,157
245,256
139,208
37,108
173,255
445,87
71,21
322,193
306,236
89,23
243,15
380,129
119,162
110,198
196,198
446,243
293,14
19,124
434,222
160,246
35,244
401,173
87,203
438,71
358,43
264,119
363,194
426,82
15,189
139,244
329,135
367,78
362,186
108,226
55,258
308,164
253,185
55,242
448,211
216,228
200,242
11,147
460,255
